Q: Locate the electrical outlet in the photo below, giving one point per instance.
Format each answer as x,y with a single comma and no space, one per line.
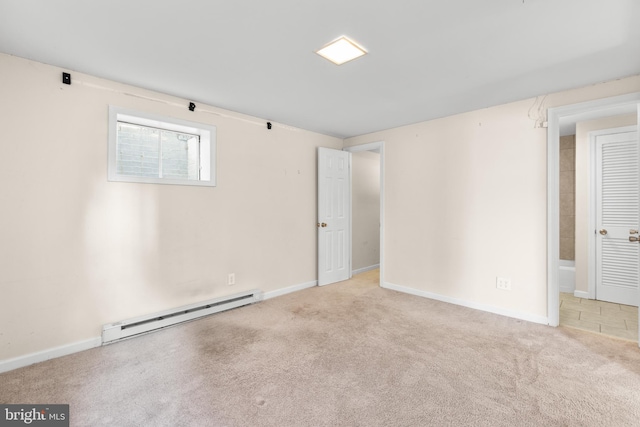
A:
231,280
503,283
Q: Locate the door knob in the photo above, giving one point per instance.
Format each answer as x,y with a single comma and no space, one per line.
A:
323,224
603,232
634,239
632,231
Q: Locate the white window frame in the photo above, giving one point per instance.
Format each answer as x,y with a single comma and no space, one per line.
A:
207,134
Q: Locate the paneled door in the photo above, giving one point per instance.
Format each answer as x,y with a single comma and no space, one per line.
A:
617,216
334,216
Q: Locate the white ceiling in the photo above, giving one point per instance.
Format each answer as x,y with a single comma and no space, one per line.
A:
427,59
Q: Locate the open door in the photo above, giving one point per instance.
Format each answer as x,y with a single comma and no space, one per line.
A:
334,216
638,136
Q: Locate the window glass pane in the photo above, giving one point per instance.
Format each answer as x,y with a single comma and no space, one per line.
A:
147,148
137,150
180,153
193,154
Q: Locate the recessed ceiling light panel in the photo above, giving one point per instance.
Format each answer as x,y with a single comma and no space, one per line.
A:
341,50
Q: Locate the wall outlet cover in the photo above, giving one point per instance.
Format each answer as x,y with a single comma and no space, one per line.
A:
503,283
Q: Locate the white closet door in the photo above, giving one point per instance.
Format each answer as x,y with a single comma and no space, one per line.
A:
618,218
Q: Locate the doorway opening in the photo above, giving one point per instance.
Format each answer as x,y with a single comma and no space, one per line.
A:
563,121
367,208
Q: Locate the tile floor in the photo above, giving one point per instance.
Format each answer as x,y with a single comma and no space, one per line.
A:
617,320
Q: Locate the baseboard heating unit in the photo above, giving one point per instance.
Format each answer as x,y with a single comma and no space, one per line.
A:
144,324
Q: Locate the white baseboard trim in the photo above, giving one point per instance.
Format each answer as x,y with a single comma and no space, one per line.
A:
52,353
288,290
581,294
365,269
64,350
464,303
566,289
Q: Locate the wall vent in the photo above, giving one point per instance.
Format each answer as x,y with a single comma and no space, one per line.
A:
145,324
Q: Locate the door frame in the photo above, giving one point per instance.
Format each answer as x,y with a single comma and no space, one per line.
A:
377,147
557,117
593,203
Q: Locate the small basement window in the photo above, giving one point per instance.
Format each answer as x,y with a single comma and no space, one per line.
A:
160,150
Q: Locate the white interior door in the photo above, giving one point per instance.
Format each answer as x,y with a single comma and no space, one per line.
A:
334,215
617,217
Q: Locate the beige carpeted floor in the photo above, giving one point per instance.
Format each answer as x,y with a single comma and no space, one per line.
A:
348,354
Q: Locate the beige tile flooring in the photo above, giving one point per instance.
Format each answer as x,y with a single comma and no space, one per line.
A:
617,320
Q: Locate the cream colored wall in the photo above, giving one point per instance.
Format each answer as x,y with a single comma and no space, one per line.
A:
77,251
365,186
583,178
465,202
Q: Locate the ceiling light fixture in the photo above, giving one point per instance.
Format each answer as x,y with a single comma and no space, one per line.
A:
341,50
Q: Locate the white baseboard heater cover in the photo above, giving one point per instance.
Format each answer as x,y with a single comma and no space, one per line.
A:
144,324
